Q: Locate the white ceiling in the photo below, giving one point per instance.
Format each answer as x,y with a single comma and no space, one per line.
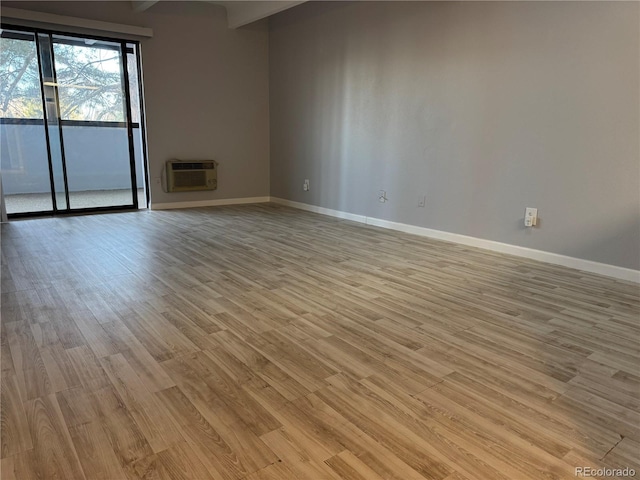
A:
239,12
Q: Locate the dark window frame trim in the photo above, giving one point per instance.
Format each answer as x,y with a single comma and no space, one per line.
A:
34,30
67,123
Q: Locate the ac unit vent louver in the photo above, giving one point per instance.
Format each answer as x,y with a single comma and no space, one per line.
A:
188,176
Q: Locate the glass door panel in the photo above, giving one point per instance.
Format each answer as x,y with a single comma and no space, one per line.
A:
24,159
90,81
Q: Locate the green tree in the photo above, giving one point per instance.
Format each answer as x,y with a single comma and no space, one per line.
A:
20,95
89,81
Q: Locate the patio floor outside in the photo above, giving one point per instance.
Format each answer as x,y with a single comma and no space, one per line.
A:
39,202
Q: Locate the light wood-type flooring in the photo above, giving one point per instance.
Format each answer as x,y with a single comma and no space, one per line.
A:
261,342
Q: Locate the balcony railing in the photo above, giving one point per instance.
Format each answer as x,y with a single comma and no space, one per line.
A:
97,163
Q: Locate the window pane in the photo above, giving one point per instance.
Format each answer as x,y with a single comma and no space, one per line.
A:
132,67
23,148
20,95
89,82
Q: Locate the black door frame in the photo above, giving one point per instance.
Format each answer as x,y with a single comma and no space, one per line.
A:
124,49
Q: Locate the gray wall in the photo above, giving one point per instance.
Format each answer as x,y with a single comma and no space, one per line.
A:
486,108
206,90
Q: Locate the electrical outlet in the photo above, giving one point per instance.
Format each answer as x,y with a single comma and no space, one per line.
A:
422,200
530,217
306,186
382,196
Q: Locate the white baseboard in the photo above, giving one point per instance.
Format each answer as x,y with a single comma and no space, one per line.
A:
321,210
621,273
209,203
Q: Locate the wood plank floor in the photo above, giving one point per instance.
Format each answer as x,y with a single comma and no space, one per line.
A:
261,342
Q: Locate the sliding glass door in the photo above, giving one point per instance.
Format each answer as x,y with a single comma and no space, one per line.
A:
24,156
69,142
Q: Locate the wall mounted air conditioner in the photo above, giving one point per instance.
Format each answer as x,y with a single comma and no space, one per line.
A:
189,176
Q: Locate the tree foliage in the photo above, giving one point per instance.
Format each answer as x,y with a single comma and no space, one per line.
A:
89,81
20,95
